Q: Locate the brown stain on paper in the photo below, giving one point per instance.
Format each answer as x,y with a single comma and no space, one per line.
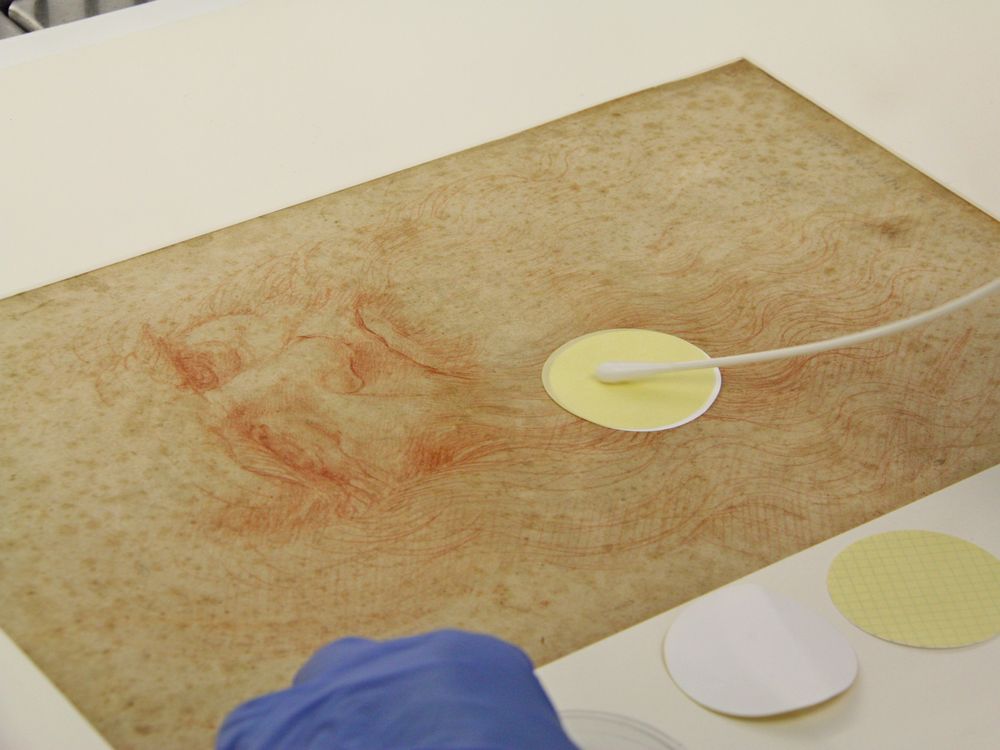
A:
330,421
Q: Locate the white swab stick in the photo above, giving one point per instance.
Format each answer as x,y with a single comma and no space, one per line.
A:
620,372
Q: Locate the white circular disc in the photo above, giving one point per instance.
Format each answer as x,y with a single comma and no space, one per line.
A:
749,652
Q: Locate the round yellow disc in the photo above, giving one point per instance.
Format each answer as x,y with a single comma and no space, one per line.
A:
640,406
918,588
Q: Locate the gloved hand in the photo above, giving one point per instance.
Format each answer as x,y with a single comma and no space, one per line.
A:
446,690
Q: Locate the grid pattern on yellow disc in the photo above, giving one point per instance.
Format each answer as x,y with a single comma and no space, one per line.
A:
919,588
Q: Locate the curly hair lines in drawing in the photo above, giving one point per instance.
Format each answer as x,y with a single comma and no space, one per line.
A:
352,401
377,389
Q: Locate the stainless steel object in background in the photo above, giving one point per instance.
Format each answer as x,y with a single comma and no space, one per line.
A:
8,28
41,14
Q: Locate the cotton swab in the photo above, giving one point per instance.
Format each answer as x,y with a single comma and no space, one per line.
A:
620,372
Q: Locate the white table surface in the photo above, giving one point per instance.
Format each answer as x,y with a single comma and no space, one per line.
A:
904,697
130,131
117,143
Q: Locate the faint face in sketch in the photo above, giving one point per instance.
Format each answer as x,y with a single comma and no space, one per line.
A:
333,406
388,396
330,403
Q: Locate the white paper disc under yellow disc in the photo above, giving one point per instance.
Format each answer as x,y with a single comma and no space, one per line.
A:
658,403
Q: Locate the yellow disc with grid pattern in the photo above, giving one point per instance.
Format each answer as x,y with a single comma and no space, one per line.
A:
918,588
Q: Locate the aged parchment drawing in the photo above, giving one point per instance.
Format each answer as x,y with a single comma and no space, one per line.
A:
330,421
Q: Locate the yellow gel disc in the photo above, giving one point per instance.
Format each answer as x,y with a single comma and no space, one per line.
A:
918,588
658,403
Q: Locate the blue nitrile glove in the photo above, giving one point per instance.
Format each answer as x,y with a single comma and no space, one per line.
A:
447,690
